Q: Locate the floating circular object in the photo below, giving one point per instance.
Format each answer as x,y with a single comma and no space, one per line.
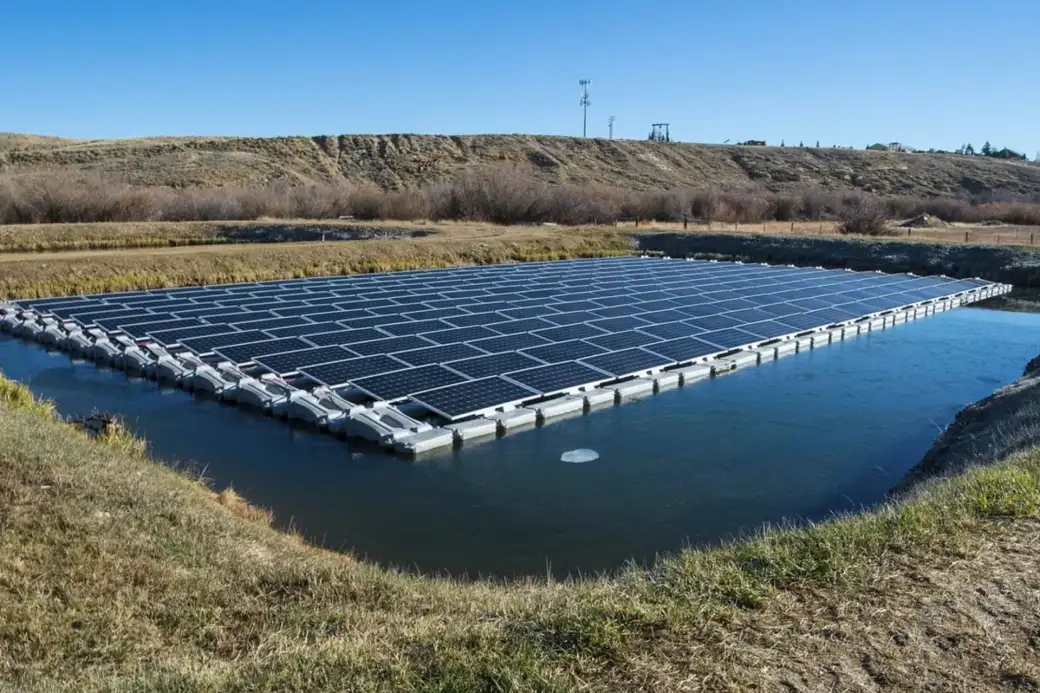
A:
579,456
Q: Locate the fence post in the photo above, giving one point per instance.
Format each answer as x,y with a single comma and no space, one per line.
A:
685,222
908,233
792,227
1030,239
965,236
736,224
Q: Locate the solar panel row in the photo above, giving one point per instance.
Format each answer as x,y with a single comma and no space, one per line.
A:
545,327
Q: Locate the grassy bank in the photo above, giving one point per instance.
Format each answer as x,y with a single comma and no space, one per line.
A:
26,275
117,573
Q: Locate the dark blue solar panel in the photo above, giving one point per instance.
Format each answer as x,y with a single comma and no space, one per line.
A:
778,310
522,313
174,336
566,333
494,364
749,315
729,338
614,300
683,349
622,340
141,329
625,362
571,318
662,316
245,316
516,326
650,306
713,322
346,337
398,384
620,324
288,362
322,314
244,353
557,377
437,354
341,373
770,329
388,346
304,329
474,319
204,345
434,313
415,327
671,330
619,311
564,351
509,342
700,310
461,399
576,306
460,334
268,323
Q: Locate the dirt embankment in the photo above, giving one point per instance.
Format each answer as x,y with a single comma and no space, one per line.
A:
1006,422
1009,265
396,161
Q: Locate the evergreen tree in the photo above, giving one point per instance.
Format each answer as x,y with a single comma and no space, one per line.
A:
969,150
801,144
987,149
817,144
782,143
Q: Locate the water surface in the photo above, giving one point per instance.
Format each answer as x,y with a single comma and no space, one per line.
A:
826,431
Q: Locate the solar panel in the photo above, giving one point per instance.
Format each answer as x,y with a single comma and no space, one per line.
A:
245,316
269,323
494,364
557,377
304,329
374,321
340,373
623,340
509,342
243,353
167,337
521,313
618,311
346,337
141,329
571,318
516,326
569,332
400,329
663,316
683,349
464,399
713,322
769,329
437,354
387,346
287,362
398,384
576,306
204,345
619,324
625,362
471,319
671,330
202,312
564,351
460,334
728,338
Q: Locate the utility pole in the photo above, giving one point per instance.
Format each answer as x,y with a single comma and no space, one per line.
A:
610,124
585,105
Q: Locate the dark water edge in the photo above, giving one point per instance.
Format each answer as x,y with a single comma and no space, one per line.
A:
826,431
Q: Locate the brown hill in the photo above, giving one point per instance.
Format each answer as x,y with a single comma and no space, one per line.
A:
395,161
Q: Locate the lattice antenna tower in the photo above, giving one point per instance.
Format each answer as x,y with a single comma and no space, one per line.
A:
610,126
585,105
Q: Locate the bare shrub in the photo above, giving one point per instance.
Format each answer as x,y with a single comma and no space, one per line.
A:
865,215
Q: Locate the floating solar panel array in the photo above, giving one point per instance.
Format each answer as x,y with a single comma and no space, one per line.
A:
464,341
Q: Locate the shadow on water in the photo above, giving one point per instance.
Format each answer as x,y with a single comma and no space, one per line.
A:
821,432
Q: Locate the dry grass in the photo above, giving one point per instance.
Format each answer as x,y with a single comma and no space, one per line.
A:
30,274
119,574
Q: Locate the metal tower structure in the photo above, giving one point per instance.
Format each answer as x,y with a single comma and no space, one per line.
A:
610,125
585,105
660,133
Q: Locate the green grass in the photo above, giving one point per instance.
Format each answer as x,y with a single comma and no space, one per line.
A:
119,573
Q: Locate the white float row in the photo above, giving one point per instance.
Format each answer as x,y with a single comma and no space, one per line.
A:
387,425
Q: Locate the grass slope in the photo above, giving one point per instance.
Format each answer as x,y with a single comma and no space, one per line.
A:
117,573
396,161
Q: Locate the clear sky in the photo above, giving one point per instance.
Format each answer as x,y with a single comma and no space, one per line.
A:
928,73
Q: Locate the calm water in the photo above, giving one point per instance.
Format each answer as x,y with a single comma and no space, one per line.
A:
800,438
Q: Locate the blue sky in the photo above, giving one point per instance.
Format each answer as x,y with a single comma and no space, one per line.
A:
851,72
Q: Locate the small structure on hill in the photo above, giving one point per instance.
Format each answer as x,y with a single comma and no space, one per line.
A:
659,133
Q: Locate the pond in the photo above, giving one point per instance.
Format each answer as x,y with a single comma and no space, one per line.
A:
825,431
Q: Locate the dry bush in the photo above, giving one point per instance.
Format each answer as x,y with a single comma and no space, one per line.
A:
865,215
498,194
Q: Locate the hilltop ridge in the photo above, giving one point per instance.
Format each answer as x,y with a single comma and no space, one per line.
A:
402,160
